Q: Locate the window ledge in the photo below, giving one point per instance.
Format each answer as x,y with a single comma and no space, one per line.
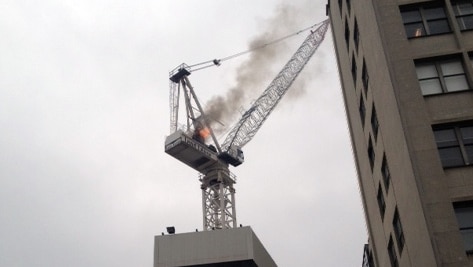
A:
457,167
430,35
450,93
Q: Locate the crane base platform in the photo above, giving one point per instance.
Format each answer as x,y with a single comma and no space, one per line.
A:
236,247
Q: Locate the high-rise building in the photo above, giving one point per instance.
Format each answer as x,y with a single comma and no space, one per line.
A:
406,70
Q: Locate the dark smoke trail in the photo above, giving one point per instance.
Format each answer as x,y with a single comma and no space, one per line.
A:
254,72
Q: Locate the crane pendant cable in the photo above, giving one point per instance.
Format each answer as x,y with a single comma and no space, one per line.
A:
217,62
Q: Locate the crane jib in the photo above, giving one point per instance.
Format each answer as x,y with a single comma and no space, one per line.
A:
250,122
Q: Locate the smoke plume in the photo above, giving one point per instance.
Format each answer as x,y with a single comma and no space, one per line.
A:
253,75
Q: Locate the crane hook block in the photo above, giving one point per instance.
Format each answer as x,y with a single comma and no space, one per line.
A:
179,74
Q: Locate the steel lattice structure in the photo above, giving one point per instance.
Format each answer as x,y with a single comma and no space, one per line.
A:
174,104
252,119
218,199
212,161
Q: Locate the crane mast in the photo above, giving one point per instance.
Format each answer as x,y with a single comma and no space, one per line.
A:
188,143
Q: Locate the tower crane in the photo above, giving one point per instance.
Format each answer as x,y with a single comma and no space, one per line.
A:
188,142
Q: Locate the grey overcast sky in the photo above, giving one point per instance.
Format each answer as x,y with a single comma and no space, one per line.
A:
84,92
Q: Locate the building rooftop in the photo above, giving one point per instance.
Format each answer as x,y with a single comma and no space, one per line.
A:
236,247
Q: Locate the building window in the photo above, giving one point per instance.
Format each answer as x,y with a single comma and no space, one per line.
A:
365,77
455,145
371,154
374,123
424,20
392,253
464,214
349,5
353,68
441,76
371,260
367,257
464,14
398,231
362,111
340,3
347,33
385,173
381,203
356,37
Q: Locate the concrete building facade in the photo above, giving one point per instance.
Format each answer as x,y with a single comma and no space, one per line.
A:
406,71
234,247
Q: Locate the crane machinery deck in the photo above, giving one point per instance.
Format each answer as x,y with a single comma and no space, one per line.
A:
189,142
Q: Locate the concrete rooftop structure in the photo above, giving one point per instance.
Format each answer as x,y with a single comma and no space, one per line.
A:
236,247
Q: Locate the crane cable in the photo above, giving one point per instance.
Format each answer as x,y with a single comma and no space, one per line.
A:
216,62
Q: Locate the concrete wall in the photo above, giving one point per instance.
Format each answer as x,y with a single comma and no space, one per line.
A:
219,248
420,189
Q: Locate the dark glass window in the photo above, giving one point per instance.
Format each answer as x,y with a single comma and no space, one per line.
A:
356,37
374,122
467,142
455,145
464,214
365,77
371,154
424,20
448,147
464,14
398,231
392,253
381,203
349,5
385,173
367,257
439,76
362,111
340,3
353,68
347,33
371,260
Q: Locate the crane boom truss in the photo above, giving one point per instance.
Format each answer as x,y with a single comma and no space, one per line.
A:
252,119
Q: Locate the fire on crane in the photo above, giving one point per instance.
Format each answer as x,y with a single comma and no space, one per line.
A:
189,143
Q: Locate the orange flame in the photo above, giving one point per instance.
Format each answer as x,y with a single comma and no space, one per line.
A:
204,133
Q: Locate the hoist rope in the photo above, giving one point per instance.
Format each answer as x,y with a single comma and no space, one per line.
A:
216,62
